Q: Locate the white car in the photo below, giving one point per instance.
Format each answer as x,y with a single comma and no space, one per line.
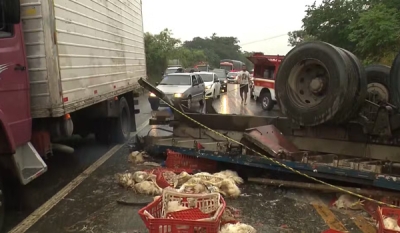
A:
212,84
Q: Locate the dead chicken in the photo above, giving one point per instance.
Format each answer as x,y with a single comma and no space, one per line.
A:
174,206
136,157
183,178
228,188
125,179
171,178
140,176
228,174
148,188
347,201
390,224
237,228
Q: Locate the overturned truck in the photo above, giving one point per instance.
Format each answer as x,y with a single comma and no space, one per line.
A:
341,121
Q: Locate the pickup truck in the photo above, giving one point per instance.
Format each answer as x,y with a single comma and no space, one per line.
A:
66,67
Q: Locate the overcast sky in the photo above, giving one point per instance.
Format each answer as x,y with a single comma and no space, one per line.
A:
249,20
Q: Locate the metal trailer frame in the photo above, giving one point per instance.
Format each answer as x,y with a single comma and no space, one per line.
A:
343,153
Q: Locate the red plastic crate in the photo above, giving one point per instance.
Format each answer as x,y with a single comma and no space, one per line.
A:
387,212
177,160
152,217
159,172
190,214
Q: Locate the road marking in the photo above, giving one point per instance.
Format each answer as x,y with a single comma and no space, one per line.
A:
29,221
326,214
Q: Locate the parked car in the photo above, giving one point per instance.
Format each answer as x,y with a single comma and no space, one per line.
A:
232,77
221,73
188,87
212,84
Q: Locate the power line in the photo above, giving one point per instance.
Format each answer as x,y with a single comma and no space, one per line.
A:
269,38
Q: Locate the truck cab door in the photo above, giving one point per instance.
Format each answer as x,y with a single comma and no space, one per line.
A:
15,117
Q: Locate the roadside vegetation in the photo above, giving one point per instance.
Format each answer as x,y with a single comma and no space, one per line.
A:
368,28
163,46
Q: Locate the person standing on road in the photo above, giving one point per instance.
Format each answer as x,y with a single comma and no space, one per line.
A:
243,78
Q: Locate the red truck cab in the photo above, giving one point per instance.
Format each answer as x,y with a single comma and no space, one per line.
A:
15,117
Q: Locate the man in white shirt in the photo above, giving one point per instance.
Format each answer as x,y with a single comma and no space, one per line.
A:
244,78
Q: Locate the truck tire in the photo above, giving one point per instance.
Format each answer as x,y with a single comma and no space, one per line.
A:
313,103
345,112
395,81
267,103
361,93
378,79
122,125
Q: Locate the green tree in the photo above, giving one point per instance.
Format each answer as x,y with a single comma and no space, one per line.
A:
189,57
376,33
158,48
368,28
216,48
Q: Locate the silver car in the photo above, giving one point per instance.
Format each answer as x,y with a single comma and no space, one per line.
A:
188,87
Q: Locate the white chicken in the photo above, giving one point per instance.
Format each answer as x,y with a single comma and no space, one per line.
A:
390,224
347,201
140,176
136,157
237,228
228,174
148,187
125,179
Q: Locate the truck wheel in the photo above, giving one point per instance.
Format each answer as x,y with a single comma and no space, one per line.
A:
312,83
267,103
394,83
122,125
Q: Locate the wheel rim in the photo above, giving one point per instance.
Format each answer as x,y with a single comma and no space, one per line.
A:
308,83
377,92
124,122
265,101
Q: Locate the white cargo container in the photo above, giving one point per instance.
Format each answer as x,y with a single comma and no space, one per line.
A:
81,52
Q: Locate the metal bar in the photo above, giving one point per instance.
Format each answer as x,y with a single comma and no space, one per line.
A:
313,186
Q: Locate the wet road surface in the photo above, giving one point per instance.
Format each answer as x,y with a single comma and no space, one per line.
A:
92,207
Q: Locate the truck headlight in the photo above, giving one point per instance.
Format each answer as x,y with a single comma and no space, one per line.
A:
225,81
152,94
178,95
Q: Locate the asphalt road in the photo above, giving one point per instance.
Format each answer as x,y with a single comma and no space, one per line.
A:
91,206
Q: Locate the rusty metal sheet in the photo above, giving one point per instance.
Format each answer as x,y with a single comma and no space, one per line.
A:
271,140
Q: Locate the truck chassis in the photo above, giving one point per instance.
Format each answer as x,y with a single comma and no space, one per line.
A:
344,153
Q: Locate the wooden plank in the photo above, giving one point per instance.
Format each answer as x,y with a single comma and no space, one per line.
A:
361,222
329,217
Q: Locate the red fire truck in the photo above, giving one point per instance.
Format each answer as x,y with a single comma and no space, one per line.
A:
265,69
